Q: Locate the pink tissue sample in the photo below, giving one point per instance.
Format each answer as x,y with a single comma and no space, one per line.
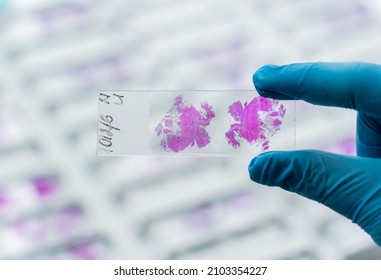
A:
255,122
184,125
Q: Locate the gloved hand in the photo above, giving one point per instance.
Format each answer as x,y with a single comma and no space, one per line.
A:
348,185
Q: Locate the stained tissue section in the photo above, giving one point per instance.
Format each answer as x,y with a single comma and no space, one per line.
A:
255,122
184,126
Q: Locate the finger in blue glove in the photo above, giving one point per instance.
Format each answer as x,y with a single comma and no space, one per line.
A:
348,185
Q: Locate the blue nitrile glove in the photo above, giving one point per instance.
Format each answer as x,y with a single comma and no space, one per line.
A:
348,185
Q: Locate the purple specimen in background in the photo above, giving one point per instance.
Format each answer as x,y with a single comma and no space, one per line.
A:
69,218
348,146
241,200
83,251
184,125
255,122
201,216
44,185
3,199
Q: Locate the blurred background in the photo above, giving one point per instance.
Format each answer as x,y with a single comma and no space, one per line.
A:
59,201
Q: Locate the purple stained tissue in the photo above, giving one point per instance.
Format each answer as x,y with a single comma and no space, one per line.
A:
184,126
255,122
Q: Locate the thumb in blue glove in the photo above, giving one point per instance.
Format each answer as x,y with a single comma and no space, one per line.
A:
348,185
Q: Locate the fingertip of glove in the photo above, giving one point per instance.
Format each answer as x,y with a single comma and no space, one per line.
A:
251,168
262,76
255,169
268,168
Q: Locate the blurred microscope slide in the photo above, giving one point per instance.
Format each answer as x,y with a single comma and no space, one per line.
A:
58,200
